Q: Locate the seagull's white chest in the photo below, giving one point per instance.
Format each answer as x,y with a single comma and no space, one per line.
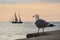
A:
35,20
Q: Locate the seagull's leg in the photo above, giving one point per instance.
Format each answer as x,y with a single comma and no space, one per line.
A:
43,30
38,30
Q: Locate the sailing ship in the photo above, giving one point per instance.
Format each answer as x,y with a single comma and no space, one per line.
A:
16,20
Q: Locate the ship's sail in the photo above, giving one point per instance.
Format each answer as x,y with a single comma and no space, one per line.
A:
19,18
16,20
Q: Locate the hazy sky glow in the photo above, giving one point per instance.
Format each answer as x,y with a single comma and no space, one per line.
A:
26,1
47,9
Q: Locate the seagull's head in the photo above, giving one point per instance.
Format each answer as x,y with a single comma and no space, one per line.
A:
36,16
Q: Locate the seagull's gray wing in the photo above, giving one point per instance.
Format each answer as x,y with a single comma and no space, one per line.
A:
41,23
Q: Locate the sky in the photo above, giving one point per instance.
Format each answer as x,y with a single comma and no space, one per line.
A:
26,1
48,10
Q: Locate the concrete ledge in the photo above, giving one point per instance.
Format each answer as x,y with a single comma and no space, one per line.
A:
51,35
36,34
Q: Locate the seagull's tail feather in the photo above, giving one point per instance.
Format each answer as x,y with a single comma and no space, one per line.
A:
50,25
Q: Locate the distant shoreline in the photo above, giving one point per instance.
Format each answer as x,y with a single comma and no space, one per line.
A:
29,21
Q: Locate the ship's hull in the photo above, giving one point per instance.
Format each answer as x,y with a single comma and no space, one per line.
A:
17,22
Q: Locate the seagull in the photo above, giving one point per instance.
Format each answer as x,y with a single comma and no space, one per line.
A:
40,23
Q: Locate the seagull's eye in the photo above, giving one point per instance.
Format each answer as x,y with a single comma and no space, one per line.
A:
33,16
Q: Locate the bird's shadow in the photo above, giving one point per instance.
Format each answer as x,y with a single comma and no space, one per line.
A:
37,34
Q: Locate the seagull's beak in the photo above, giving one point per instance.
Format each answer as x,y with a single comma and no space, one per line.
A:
33,16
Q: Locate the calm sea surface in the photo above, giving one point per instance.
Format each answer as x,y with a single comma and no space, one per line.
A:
9,31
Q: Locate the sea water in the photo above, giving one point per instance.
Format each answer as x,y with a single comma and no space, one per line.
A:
9,31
